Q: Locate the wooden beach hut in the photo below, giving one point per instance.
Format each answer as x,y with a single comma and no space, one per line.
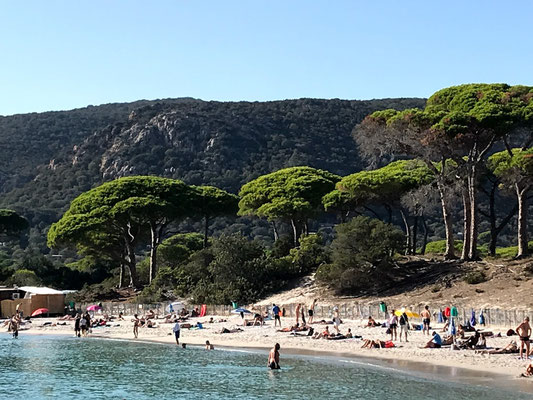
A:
30,298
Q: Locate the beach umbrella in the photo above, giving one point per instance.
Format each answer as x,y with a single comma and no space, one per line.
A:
175,307
94,307
407,312
241,310
473,318
39,311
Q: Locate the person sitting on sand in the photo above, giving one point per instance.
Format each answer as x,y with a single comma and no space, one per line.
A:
273,357
259,319
435,342
371,323
349,335
120,317
524,331
151,324
209,346
170,318
529,370
195,312
150,315
325,334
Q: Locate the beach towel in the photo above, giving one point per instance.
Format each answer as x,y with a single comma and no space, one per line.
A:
473,318
447,312
203,310
451,329
440,318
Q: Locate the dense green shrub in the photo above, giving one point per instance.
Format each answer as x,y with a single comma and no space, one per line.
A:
362,255
475,277
24,277
439,247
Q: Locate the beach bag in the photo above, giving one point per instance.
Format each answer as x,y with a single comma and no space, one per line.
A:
388,331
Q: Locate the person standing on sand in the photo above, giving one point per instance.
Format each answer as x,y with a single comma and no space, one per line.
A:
176,329
136,324
336,319
311,311
276,311
77,328
273,357
524,331
404,326
393,323
426,319
302,310
298,313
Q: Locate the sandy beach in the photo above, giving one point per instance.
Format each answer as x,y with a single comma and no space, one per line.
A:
508,366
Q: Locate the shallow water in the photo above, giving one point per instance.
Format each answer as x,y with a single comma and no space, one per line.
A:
36,367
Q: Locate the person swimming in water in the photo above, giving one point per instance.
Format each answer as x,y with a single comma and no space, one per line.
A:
273,357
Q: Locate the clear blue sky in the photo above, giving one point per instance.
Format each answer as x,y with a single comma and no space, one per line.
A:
65,54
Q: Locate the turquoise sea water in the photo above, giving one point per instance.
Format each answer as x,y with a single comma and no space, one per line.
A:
41,367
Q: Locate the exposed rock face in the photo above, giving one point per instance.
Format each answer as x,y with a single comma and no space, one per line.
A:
214,143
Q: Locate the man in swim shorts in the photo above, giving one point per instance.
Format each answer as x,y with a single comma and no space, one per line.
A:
426,319
524,331
276,311
311,311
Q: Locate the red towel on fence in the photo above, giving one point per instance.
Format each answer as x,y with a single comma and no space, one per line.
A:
203,310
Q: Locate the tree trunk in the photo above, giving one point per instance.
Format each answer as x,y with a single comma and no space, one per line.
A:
425,240
466,224
206,231
121,275
407,232
492,218
448,224
275,229
474,220
132,264
522,221
154,242
295,232
415,234
306,227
